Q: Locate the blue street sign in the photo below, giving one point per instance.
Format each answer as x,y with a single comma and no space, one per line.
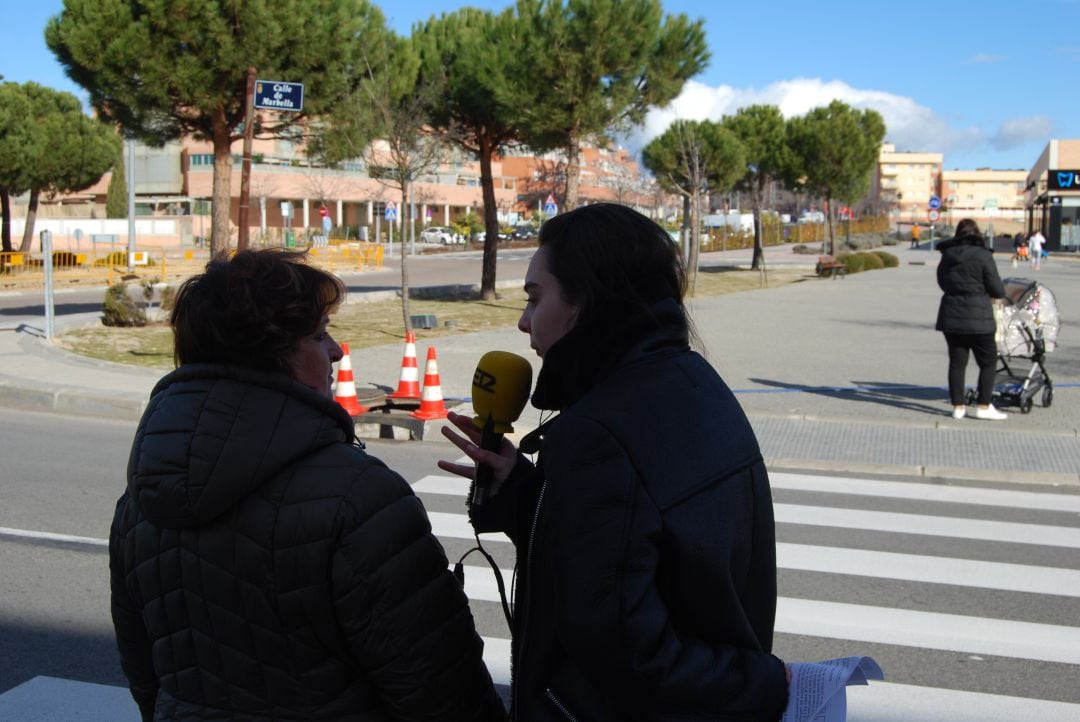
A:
326,225
935,203
279,95
391,211
550,208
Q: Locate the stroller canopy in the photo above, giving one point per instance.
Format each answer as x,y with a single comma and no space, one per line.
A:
1031,314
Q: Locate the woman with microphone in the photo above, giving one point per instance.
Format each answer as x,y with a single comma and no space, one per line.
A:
646,579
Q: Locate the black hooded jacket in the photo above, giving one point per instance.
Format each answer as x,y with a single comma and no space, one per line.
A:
265,567
646,582
969,279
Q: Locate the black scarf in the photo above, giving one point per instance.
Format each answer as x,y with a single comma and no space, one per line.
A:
593,347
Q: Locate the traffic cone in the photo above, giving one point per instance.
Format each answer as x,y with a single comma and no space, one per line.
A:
431,404
409,384
345,389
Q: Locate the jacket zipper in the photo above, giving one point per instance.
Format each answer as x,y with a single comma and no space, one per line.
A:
525,612
558,704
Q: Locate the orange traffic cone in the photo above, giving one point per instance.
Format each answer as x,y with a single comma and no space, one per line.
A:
409,384
431,404
345,389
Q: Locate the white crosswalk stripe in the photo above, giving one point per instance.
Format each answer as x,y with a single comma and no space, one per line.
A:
957,559
936,517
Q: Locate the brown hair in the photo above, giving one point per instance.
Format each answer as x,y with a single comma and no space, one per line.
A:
251,309
967,227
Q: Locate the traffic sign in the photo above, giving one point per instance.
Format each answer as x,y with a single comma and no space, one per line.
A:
324,211
990,203
391,211
934,215
550,207
934,203
279,95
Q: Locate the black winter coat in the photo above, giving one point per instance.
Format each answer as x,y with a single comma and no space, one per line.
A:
265,567
647,574
969,278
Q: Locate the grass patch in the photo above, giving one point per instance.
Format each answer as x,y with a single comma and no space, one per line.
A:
377,323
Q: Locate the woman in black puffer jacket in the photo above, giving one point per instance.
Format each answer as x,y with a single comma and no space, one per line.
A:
264,567
646,578
969,278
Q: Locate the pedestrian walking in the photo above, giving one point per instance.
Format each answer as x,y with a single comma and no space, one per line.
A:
916,234
263,565
1035,248
646,573
969,280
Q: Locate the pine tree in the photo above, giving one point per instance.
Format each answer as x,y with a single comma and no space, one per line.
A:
116,200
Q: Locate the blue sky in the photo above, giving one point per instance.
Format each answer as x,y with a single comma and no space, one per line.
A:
986,82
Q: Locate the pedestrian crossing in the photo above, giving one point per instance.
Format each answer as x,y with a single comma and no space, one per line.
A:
986,525
968,597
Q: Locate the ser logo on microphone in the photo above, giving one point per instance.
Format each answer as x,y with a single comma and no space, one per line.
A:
483,380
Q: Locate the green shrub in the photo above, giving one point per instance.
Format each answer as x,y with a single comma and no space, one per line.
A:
853,262
168,298
871,261
120,309
888,259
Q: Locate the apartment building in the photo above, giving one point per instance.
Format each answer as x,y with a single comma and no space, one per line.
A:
1052,195
905,181
984,194
288,189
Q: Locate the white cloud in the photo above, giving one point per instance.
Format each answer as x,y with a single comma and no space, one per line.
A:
910,126
985,58
1019,131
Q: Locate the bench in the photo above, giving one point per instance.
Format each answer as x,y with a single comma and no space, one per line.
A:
829,266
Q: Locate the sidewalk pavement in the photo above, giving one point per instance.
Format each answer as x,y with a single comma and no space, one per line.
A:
844,375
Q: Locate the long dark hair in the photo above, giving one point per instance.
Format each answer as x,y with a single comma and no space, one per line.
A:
609,258
251,309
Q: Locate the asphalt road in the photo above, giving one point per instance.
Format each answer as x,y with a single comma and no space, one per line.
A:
62,476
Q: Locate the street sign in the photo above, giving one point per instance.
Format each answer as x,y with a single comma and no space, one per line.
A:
934,215
326,224
279,95
324,212
934,203
391,211
286,209
990,203
550,207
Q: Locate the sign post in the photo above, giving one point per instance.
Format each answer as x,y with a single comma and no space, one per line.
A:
391,216
264,95
934,204
550,207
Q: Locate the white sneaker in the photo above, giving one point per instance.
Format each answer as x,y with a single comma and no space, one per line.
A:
990,413
958,412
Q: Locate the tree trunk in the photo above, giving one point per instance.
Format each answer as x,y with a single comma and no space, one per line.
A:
491,222
31,218
221,212
828,220
405,314
695,242
5,228
573,172
759,243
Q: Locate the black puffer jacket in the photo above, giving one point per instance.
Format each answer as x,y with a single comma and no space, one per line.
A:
645,536
969,278
265,567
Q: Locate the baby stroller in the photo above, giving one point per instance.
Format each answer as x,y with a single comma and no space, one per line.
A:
1027,331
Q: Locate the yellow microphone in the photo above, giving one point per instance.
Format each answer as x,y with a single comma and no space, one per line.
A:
500,389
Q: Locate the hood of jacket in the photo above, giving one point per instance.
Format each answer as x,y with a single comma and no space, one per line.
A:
590,351
963,244
212,434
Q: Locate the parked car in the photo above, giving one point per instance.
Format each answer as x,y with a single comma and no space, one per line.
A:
440,234
479,236
524,233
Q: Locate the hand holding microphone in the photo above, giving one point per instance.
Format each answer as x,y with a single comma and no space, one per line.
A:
500,388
